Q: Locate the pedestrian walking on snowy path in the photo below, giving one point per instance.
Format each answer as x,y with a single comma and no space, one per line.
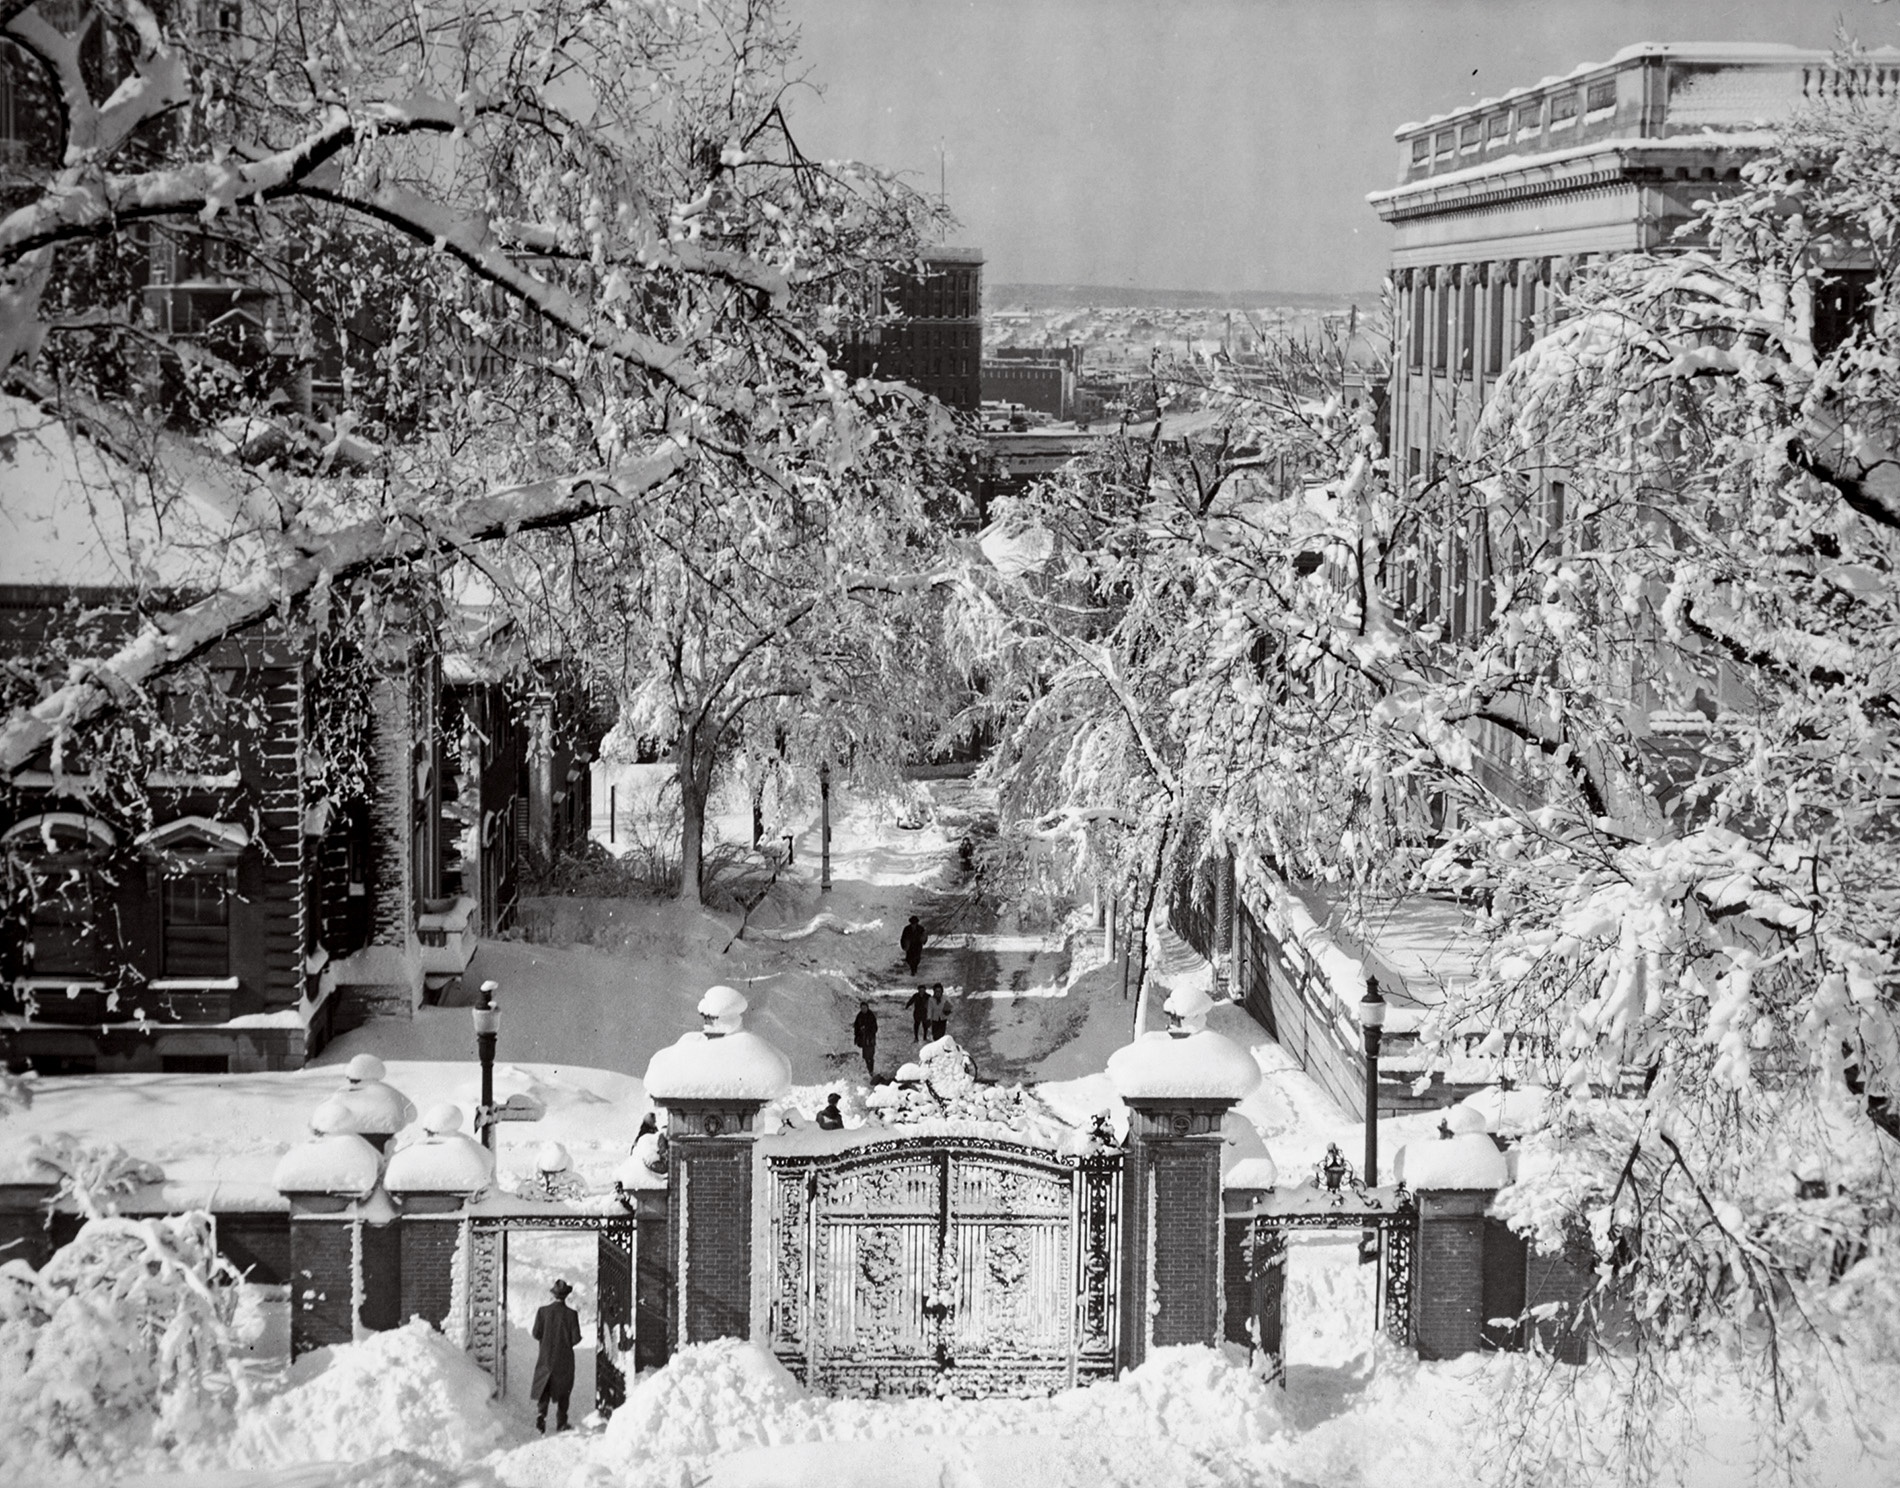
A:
919,1006
912,940
864,1035
558,1330
939,1011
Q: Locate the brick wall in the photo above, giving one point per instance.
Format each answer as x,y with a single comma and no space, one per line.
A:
1551,1278
1237,1286
1172,1180
428,1267
258,1245
1449,1311
320,1251
717,1175
652,1284
1187,1242
382,1276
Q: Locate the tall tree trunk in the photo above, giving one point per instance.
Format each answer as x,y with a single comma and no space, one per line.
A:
694,757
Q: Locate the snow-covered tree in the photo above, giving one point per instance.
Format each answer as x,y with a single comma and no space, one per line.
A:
758,622
117,1348
1653,749
544,261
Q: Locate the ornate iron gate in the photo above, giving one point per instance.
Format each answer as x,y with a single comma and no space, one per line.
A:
944,1266
486,1293
1387,1217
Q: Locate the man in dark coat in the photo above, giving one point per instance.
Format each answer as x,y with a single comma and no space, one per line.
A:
919,1006
864,1035
912,940
558,1329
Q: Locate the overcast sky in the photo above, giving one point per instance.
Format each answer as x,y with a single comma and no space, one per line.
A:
1206,144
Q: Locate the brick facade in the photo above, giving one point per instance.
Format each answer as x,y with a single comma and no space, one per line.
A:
258,1245
427,1260
1172,1226
321,1284
1552,1278
652,1283
711,1188
1448,1314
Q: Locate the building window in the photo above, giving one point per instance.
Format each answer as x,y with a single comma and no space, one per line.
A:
1563,110
1497,129
1526,307
1470,138
1421,149
1447,145
1601,97
1843,304
1416,350
63,927
196,938
1529,120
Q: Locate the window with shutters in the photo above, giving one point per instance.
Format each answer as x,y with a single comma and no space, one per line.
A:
196,930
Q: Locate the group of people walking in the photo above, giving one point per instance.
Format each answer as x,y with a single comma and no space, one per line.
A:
929,1007
929,1019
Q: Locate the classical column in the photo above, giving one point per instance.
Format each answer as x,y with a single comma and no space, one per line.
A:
711,1085
1178,1083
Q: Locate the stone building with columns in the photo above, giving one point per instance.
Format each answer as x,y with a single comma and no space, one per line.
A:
1501,203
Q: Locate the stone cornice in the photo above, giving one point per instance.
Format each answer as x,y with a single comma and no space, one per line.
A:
1592,168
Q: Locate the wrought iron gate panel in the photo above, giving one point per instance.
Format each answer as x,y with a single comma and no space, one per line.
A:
614,1260
487,1330
940,1266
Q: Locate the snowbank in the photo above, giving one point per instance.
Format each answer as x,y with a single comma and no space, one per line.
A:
729,1414
409,1390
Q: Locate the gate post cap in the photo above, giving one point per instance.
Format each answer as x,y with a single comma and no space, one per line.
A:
1468,1161
734,1066
1194,1066
444,1162
335,1163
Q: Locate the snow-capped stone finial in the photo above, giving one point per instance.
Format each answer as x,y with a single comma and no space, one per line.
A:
722,1011
366,1105
1469,1160
441,1119
1187,1009
446,1161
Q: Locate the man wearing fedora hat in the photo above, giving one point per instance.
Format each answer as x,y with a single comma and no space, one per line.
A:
558,1329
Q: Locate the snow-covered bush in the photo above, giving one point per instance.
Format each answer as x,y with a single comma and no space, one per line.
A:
118,1347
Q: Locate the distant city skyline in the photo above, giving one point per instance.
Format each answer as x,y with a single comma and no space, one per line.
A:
1212,145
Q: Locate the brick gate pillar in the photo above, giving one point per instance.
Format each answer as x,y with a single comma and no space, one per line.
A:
712,1084
1178,1084
1455,1180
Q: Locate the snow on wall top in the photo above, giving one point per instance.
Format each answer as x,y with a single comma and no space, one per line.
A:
735,1066
1197,1066
341,1163
1470,1160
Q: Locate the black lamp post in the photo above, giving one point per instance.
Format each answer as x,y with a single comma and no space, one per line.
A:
824,827
1372,1020
487,1019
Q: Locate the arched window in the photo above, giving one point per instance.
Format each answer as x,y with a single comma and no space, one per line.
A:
54,859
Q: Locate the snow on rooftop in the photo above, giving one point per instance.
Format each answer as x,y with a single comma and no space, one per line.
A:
735,1066
1197,1066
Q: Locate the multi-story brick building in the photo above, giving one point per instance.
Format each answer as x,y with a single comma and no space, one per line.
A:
933,337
